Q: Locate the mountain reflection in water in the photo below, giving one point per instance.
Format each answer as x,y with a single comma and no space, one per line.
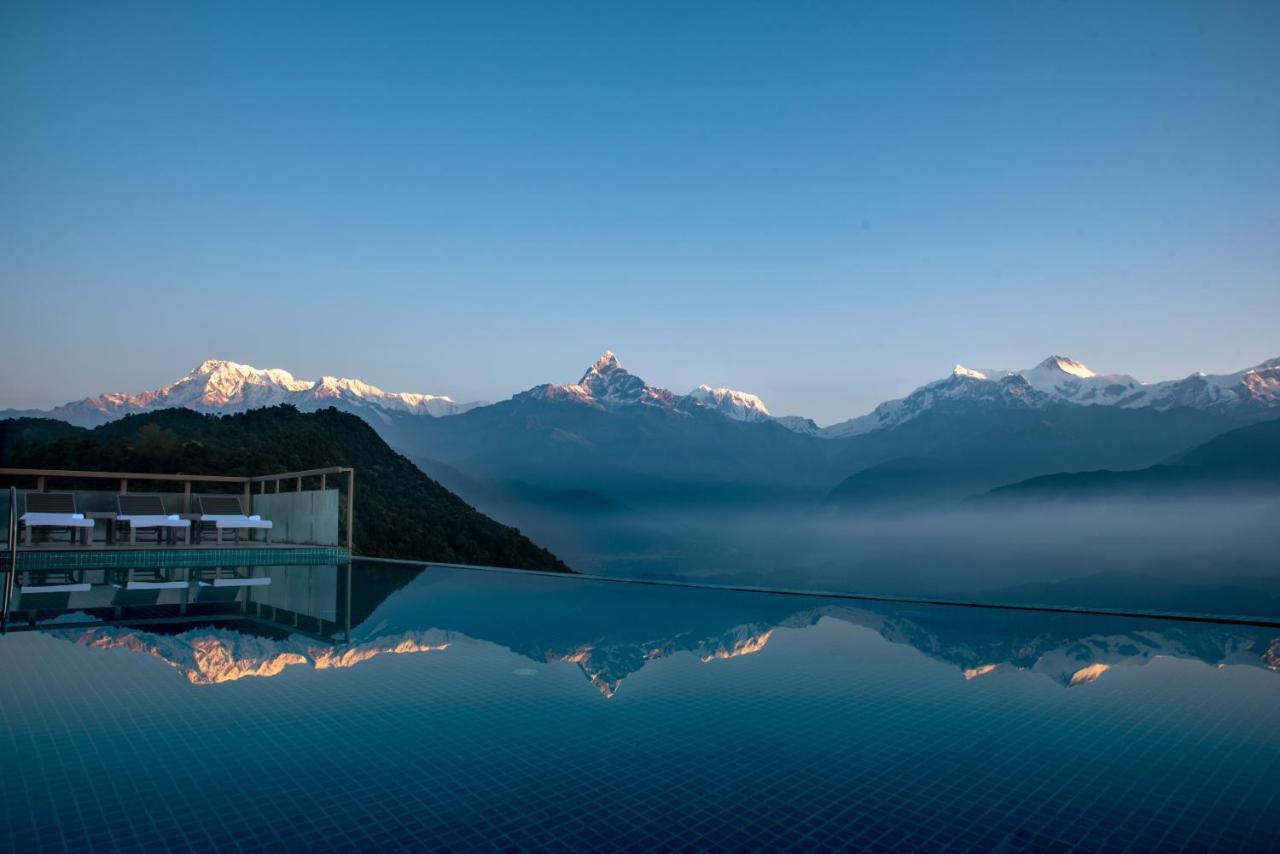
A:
611,631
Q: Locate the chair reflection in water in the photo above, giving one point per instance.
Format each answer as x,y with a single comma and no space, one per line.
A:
279,600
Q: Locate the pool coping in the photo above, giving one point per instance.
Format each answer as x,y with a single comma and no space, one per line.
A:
1181,616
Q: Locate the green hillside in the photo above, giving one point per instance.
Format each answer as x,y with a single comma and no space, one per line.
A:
400,512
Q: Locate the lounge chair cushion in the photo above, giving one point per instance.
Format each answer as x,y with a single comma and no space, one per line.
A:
170,521
229,521
56,520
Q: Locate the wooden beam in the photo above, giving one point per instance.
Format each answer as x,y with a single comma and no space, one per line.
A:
117,475
306,473
176,478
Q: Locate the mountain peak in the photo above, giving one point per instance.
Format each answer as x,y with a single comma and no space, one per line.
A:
222,370
607,381
216,366
962,371
1067,366
607,363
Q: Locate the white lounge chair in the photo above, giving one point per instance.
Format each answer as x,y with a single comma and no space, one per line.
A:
55,510
147,512
223,512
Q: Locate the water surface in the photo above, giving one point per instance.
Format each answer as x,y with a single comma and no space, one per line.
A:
498,710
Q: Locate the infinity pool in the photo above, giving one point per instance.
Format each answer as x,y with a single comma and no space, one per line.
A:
415,707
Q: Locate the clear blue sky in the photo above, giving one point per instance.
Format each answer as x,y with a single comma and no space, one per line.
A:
825,203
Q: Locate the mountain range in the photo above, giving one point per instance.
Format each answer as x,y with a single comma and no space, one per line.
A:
1058,379
611,472
220,386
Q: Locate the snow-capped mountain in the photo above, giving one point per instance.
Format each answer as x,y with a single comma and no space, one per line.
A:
1256,387
1058,379
607,385
220,386
737,405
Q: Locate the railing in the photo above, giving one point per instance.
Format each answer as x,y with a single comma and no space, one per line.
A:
323,474
343,475
12,569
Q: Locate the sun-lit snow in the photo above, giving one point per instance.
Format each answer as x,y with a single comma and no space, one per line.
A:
981,670
220,386
1059,379
744,641
213,656
1067,366
607,385
738,405
1090,673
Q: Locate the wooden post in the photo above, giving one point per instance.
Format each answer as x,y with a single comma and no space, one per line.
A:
351,507
277,484
299,489
186,496
248,496
124,484
40,483
322,481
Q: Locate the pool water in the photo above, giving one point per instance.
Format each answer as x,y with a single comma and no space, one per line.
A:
454,709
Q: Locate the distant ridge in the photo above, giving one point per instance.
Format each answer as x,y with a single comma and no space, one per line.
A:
1243,460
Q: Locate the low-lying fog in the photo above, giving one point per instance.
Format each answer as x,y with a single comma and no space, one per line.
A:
1220,555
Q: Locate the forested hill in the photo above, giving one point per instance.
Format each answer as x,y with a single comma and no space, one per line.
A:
400,512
